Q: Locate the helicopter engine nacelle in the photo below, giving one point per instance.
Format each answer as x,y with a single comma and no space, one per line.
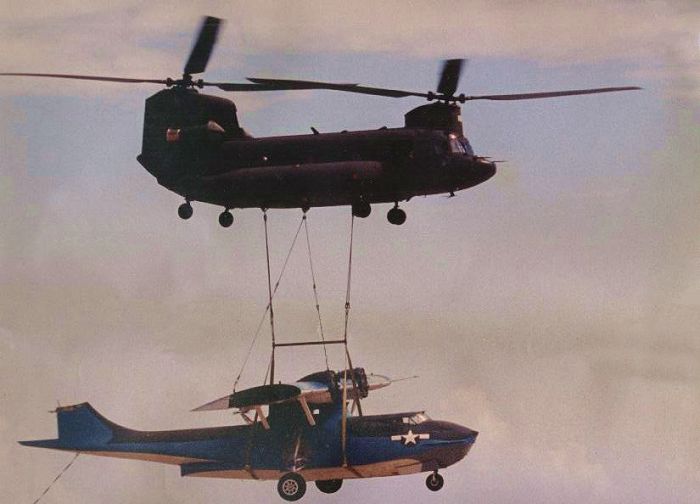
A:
436,116
182,132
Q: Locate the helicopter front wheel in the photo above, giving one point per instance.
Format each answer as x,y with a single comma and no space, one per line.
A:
226,218
396,216
361,209
185,210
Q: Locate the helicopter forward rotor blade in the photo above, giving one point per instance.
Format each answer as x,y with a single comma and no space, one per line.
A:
85,77
551,94
352,88
204,45
246,86
449,77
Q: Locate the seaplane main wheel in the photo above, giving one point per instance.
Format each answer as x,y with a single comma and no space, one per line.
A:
329,486
434,482
291,486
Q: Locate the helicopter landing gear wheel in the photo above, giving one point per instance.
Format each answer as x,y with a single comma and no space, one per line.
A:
361,209
434,482
329,486
291,486
185,210
396,216
226,218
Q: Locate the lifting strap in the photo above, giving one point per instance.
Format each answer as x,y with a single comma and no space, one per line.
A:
313,281
267,308
269,292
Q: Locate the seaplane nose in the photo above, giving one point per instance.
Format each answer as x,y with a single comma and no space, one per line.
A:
465,433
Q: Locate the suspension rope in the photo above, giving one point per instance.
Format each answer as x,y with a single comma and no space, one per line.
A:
57,478
267,308
269,292
347,289
347,316
313,280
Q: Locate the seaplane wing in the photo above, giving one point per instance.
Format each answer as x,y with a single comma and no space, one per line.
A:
315,389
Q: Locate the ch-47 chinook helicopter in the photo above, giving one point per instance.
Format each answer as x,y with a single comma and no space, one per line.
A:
307,436
193,145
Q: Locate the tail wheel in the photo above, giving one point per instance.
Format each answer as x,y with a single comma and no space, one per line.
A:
434,482
185,211
291,486
329,486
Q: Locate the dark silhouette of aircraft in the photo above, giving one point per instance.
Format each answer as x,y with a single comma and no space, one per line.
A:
194,145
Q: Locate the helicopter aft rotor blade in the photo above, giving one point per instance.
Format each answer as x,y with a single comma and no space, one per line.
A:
552,94
396,93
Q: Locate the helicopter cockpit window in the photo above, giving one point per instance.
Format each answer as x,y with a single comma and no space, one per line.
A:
467,147
416,419
456,146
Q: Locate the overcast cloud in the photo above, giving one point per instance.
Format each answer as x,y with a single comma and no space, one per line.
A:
554,309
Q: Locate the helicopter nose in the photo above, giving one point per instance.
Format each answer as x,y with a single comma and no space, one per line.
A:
484,169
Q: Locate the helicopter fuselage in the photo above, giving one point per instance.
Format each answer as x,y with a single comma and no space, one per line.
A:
194,146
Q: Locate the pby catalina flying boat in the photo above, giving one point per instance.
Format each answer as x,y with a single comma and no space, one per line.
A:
194,145
307,435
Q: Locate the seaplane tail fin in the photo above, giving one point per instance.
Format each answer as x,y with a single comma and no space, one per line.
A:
79,426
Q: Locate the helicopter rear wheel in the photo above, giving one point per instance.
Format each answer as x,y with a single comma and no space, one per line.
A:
185,210
396,216
226,218
329,486
361,209
291,486
434,482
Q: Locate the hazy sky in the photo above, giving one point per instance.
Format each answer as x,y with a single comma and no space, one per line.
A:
554,308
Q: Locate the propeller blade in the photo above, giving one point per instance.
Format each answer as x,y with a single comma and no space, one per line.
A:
551,94
449,77
85,77
204,45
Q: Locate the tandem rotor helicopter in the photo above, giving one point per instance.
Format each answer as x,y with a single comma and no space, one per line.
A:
194,145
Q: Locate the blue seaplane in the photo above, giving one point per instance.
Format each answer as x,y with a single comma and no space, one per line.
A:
308,433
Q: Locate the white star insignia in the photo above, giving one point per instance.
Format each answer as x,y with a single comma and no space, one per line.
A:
410,438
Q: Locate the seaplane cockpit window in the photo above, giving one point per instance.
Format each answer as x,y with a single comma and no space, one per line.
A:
416,419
